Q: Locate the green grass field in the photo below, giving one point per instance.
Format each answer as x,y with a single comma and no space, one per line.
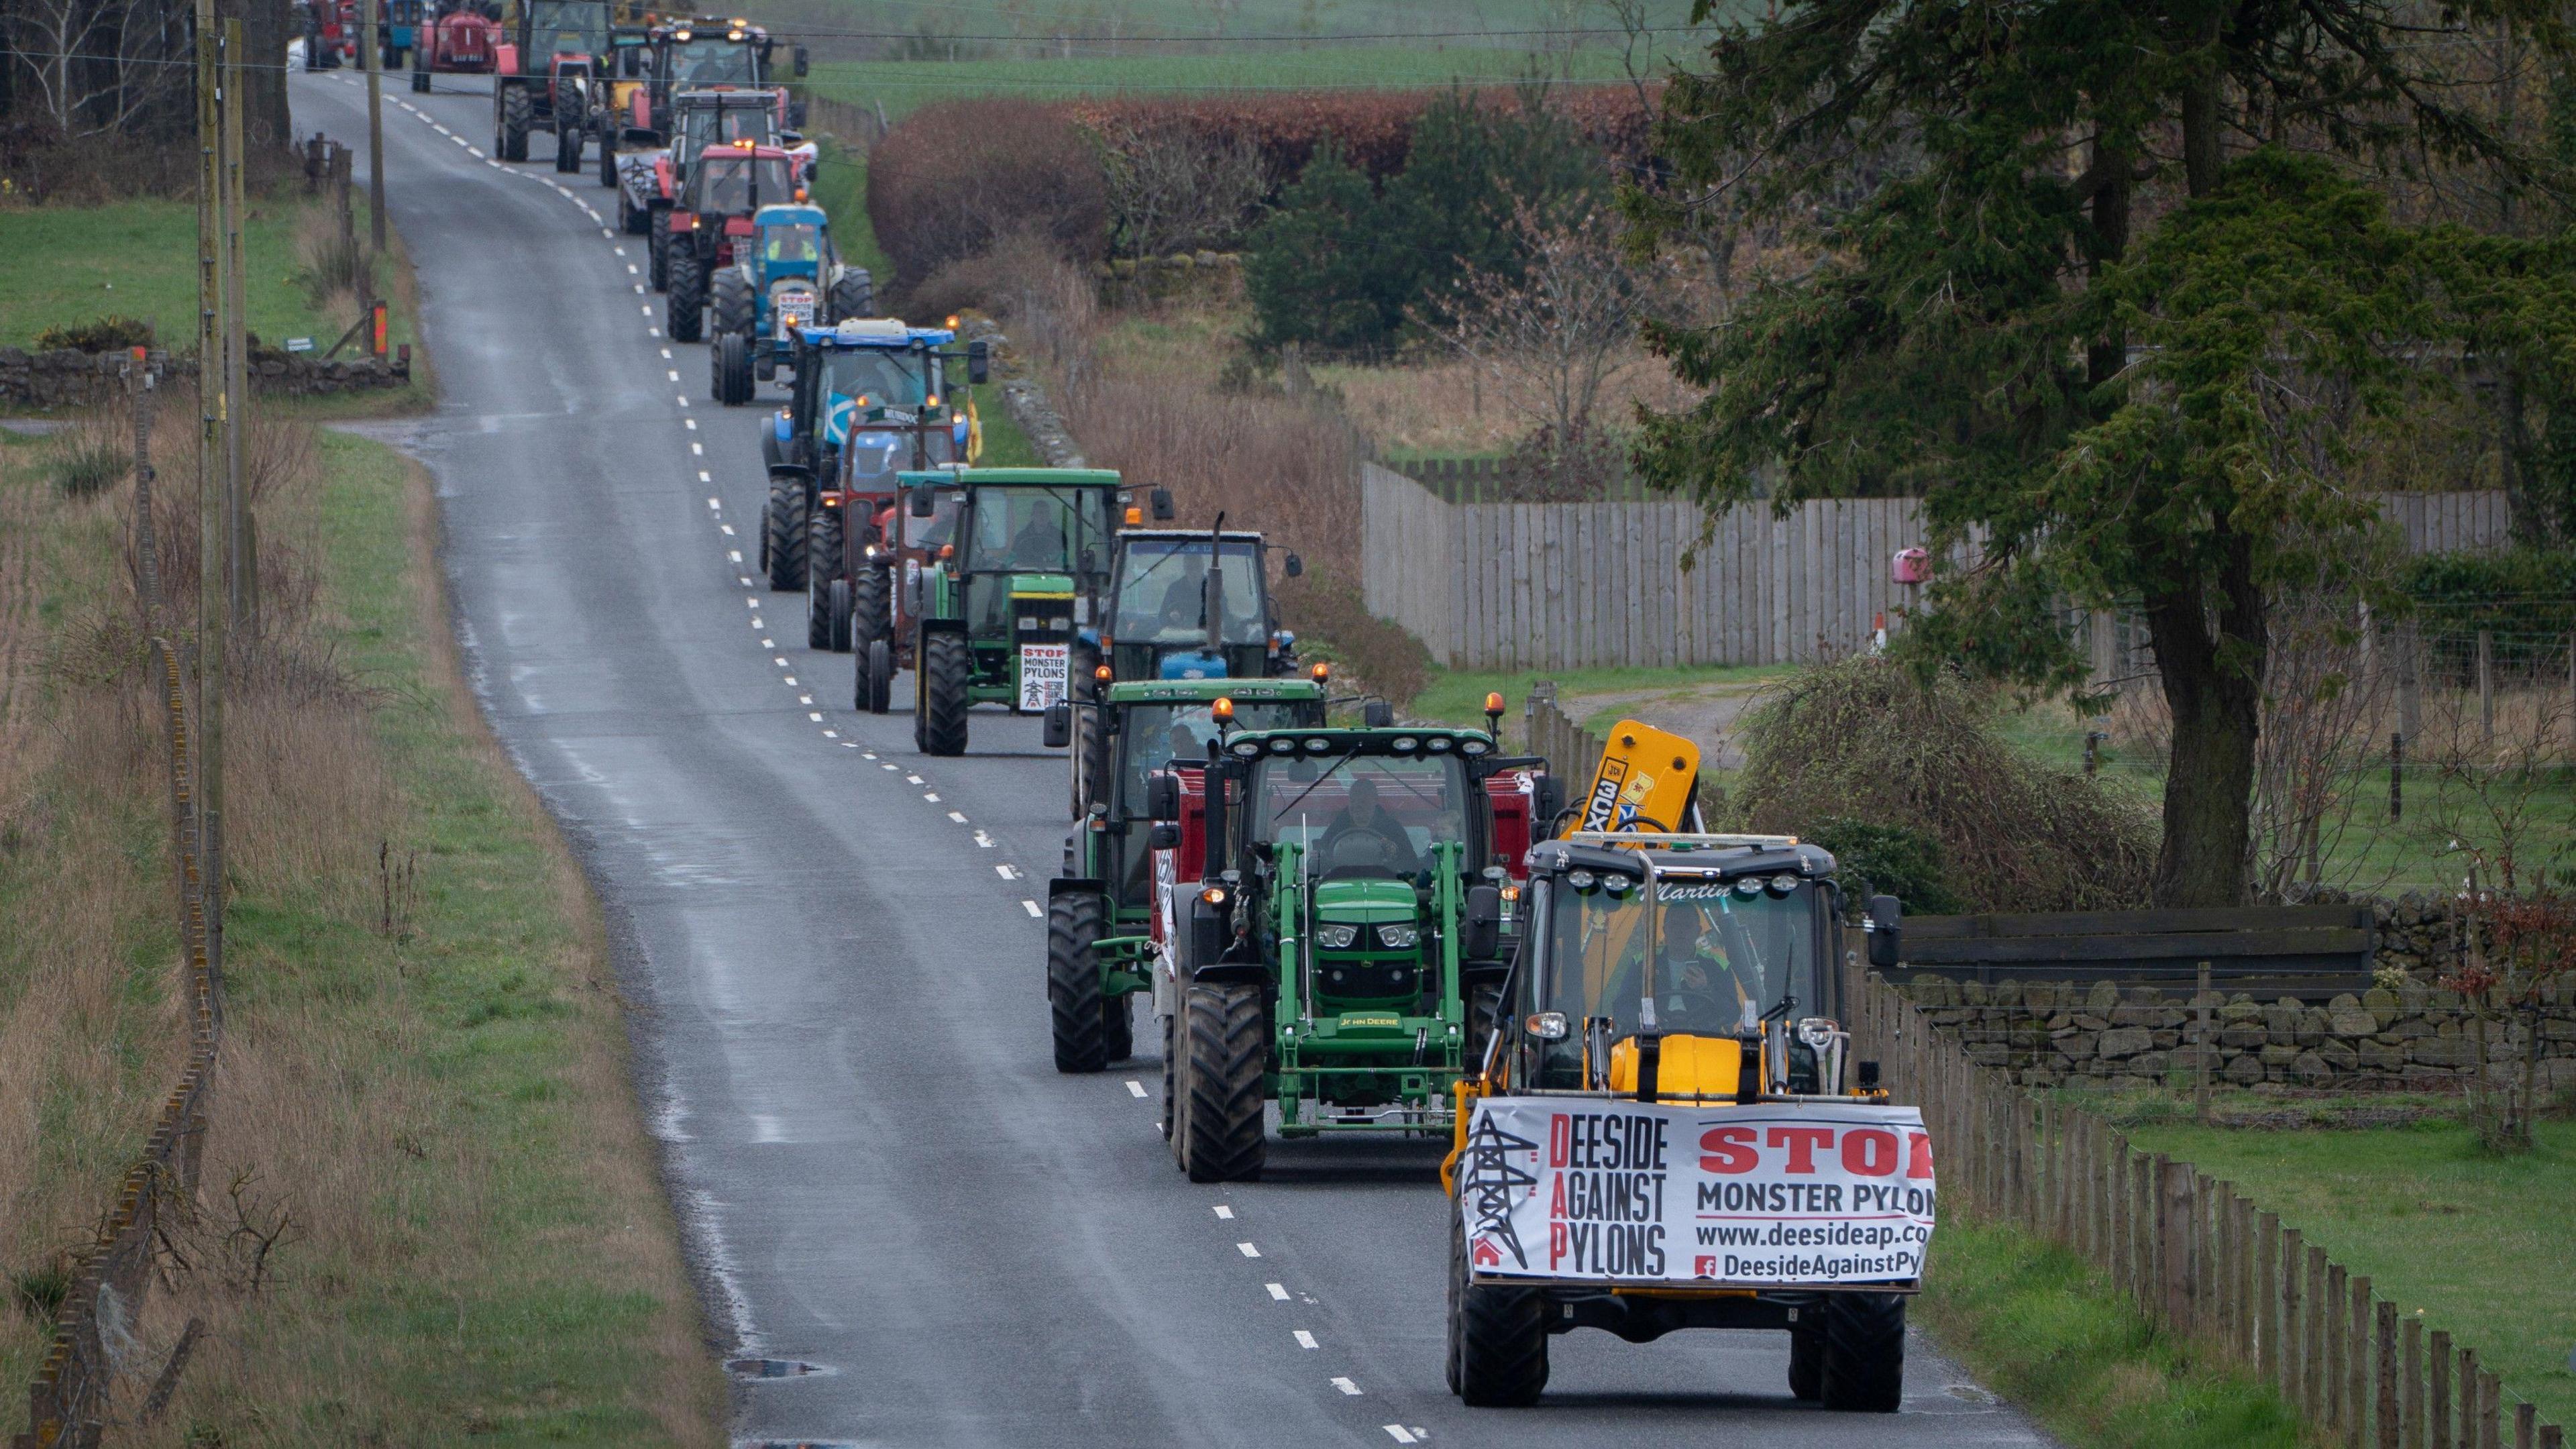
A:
71,265
2472,1240
903,86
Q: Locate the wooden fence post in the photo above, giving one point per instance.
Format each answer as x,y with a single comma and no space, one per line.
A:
2526,1425
2438,1398
2490,1403
2294,1338
2330,1321
2356,1365
2312,1336
2174,1267
2265,1300
2466,1436
2384,1340
2412,1412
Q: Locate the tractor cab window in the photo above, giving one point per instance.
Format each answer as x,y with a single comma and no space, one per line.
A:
1162,592
715,63
1152,736
729,184
724,125
1038,530
569,29
794,242
1682,956
884,376
1360,814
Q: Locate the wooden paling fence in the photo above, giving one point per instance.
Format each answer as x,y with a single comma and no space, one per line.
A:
74,1399
2199,1257
1492,585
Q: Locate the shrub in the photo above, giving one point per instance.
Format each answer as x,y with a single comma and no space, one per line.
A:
957,177
1342,264
1864,739
112,333
1388,660
1890,859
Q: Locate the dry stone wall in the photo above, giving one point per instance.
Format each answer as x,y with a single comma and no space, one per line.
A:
61,377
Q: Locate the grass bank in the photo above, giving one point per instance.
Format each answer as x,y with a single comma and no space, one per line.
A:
2044,1330
2469,1238
423,1105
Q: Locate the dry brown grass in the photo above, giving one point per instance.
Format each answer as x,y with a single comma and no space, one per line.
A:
356,1181
1440,406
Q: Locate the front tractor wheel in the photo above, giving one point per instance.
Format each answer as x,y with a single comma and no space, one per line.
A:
871,605
853,294
730,306
729,370
684,306
783,534
657,234
1863,1368
945,669
1227,1058
837,601
1076,1008
517,115
876,677
568,139
1497,1335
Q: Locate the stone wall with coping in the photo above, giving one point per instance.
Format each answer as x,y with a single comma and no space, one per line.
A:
63,378
2412,1037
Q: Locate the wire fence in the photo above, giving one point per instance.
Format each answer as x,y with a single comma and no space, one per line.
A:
79,1389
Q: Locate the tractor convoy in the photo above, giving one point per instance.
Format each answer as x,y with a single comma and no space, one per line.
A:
1621,1029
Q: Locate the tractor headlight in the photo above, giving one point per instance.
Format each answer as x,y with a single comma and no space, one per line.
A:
1336,938
1399,938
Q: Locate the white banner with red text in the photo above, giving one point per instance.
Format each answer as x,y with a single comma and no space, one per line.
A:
1771,1195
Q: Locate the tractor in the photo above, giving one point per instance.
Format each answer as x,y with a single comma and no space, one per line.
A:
400,27
1667,1130
878,391
1331,937
708,53
998,609
330,34
1194,605
710,227
791,278
650,180
871,608
551,72
459,39
1100,946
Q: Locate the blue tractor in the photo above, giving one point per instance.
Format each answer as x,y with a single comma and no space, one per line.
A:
787,279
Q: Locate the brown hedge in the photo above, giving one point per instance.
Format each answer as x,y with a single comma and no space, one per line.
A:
958,176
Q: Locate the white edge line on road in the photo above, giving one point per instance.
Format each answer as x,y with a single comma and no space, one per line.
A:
1278,1291
1346,1386
981,838
715,503
816,718
1306,1340
1225,1212
1032,908
1007,872
1398,1434
1136,1089
959,818
727,527
930,795
1247,1250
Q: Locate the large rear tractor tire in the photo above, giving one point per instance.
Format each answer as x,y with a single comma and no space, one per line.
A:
823,623
729,370
946,669
876,677
1228,1054
1863,1369
1807,1356
657,232
1076,1009
854,294
730,306
1171,1075
684,306
517,114
871,605
1090,769
783,533
1497,1335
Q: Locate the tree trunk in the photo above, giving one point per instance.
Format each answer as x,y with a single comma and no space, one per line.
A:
2211,662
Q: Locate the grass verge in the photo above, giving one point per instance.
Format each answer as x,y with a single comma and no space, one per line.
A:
423,1107
2036,1324
2436,1224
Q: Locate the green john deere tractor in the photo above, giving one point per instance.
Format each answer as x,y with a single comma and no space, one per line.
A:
995,615
1337,937
1100,946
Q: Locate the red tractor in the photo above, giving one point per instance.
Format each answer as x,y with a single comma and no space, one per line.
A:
710,218
330,34
461,40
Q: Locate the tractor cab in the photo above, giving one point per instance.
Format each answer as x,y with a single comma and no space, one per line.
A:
1677,998
715,118
706,52
790,242
999,611
1194,605
1100,942
1345,890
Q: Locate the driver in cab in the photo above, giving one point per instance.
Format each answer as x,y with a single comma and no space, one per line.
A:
1040,541
1698,987
1365,836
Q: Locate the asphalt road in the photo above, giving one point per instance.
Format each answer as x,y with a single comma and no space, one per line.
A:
833,949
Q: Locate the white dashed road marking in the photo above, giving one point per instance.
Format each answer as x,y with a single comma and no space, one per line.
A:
1278,1291
1247,1250
1032,908
1346,1386
1306,1340
1136,1089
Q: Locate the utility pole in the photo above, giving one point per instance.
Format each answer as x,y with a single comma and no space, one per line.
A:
239,566
375,10
213,377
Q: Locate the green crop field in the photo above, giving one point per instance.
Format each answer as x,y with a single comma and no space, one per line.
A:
72,265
